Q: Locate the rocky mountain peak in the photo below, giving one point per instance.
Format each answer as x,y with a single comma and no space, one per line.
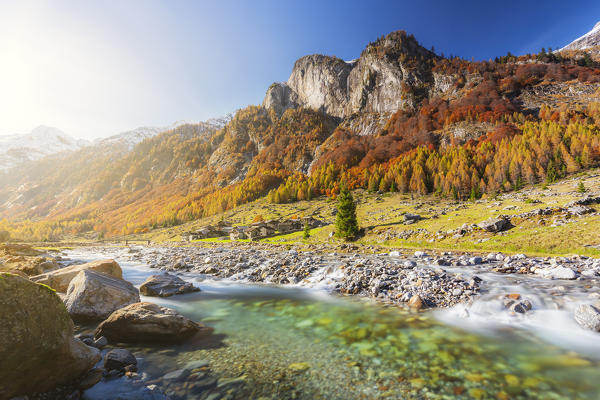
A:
589,40
398,45
380,81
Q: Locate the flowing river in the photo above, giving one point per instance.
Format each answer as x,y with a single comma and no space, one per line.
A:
301,343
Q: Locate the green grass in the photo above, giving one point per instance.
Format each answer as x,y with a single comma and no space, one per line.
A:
380,213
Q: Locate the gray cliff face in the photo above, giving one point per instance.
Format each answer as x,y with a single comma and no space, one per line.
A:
280,97
320,82
392,73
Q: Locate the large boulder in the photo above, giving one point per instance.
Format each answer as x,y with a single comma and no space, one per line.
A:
59,280
495,224
148,322
588,317
166,285
411,218
580,210
37,349
94,296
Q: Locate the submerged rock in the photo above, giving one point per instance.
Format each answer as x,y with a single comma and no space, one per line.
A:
91,378
94,295
588,317
147,322
37,349
166,285
59,280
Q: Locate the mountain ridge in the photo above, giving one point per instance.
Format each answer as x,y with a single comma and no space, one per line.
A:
589,40
398,118
40,142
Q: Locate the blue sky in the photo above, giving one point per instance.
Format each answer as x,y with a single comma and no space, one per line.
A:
96,68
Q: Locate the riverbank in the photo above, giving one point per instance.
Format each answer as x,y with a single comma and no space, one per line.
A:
259,322
440,279
485,322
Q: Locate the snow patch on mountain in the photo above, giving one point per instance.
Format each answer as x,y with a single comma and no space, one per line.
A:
40,142
590,39
130,138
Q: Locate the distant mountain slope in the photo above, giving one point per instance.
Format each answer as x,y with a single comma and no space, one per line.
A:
40,142
587,41
398,118
130,138
62,181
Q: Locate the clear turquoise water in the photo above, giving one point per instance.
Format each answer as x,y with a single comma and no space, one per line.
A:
297,344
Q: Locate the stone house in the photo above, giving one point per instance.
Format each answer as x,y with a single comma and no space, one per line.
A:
237,233
259,231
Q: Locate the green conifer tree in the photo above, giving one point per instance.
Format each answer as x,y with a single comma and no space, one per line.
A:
306,230
346,225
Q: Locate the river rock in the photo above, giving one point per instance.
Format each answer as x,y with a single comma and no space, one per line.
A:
556,273
37,349
475,260
147,322
588,317
495,224
118,359
94,296
166,285
59,280
177,376
416,303
91,378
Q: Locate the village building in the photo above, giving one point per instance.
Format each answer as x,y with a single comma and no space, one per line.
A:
238,233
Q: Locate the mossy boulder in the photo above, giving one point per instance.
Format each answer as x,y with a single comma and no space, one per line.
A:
37,349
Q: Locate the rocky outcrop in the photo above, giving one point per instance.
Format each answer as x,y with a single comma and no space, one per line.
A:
147,322
37,349
166,285
321,83
94,296
279,98
365,124
59,280
495,225
392,73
